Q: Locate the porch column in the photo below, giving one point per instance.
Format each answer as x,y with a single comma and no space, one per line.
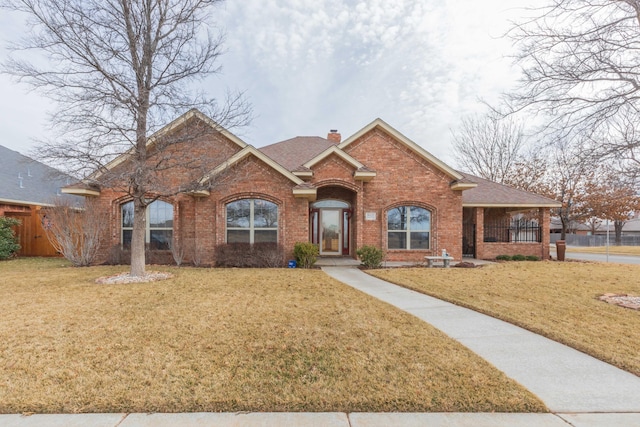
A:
357,220
544,219
479,243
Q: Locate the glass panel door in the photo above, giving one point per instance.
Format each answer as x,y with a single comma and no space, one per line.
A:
331,221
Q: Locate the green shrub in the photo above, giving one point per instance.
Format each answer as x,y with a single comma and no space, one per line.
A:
518,258
532,258
503,258
306,254
8,241
370,256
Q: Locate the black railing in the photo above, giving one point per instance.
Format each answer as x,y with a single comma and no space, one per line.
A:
513,234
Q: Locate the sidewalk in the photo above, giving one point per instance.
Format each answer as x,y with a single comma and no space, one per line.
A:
322,419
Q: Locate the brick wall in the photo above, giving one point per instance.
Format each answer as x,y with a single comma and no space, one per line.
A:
404,178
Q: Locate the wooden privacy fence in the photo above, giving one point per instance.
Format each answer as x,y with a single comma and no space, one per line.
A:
31,235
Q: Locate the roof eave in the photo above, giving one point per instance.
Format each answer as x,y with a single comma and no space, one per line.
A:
364,176
461,186
305,193
85,192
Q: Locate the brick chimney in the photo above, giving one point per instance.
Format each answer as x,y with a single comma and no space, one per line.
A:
334,136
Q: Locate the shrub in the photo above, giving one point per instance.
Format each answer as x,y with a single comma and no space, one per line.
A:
370,256
247,255
8,241
518,258
76,232
503,258
306,254
532,258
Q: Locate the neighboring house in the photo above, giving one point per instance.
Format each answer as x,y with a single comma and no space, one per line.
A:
377,187
26,186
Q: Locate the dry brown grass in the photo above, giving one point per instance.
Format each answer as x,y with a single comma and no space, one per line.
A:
614,250
557,300
226,340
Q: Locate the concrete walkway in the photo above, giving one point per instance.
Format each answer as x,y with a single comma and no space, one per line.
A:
321,419
580,391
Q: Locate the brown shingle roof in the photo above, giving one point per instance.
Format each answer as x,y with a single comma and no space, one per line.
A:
295,152
491,193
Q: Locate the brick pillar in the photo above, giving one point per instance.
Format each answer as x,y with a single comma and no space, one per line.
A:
357,220
544,218
479,221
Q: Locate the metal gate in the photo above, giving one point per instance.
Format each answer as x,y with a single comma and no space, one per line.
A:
469,240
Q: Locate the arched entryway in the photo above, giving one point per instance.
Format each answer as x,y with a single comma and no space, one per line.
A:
331,226
330,221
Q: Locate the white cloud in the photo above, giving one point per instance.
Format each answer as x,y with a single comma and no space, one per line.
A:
311,65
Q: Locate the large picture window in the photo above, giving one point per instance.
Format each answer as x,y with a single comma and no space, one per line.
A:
159,221
252,221
408,227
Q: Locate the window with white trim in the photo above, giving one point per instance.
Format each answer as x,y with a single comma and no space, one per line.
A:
159,222
252,221
408,227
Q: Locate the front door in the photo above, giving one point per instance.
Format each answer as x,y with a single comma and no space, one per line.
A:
330,232
329,224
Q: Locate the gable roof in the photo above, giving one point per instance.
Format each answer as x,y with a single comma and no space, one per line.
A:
492,194
25,181
381,124
295,152
175,124
244,153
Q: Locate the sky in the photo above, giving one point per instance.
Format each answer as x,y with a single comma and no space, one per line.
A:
308,66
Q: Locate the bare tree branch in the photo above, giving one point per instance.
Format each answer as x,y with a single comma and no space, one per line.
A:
581,66
118,70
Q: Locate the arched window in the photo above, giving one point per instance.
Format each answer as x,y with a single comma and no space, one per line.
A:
252,221
159,232
408,227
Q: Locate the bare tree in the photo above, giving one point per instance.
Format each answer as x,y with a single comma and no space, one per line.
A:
612,197
570,172
118,69
488,146
75,232
580,62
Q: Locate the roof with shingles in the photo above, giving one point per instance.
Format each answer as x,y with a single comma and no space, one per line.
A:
295,152
25,180
489,193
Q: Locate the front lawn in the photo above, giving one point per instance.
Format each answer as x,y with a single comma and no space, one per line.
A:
554,299
226,340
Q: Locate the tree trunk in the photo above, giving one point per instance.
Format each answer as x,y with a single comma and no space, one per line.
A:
563,232
138,238
617,226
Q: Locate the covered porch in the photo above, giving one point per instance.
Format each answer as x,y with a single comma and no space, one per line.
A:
492,231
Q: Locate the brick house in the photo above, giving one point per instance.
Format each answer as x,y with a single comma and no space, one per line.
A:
376,187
